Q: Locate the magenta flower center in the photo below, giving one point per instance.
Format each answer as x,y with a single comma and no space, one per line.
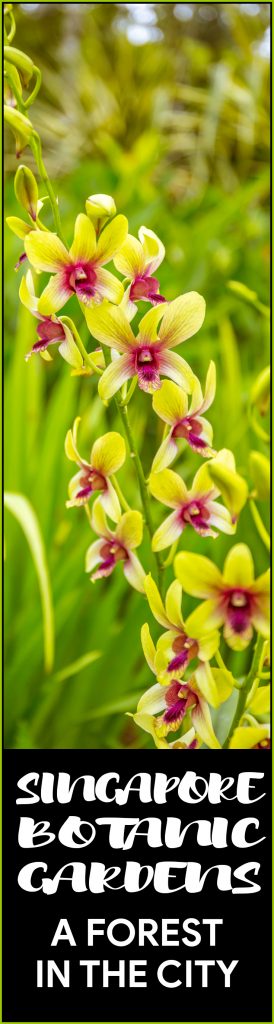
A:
196,514
112,552
239,607
185,649
146,365
179,699
81,279
145,287
90,480
190,429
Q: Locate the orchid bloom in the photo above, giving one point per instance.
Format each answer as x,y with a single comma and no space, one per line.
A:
147,355
171,404
107,456
80,270
51,330
181,699
137,261
116,546
179,644
233,598
251,734
196,507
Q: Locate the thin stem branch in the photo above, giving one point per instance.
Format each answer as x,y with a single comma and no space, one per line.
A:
252,674
142,485
35,144
120,495
262,531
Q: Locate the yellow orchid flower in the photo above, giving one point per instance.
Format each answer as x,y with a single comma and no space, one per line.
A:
178,645
137,260
180,698
234,599
107,456
51,330
171,404
147,355
116,546
80,270
196,507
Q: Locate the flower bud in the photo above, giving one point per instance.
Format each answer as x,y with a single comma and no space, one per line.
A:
18,226
20,126
14,83
259,466
100,207
26,190
232,486
260,394
21,61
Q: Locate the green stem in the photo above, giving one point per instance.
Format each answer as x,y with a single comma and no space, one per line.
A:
142,485
130,392
253,672
259,524
35,144
120,494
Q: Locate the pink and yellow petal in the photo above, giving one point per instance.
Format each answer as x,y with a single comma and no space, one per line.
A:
55,295
174,366
110,502
93,556
221,518
169,531
108,286
183,318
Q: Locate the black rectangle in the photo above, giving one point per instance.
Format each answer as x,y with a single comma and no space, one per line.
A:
31,918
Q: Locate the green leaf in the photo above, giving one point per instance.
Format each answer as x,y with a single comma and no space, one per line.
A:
22,510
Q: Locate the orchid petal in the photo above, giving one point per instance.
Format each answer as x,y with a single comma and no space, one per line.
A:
134,572
170,403
167,533
111,239
148,646
155,601
165,454
110,326
84,244
114,376
130,529
197,574
183,318
108,453
55,295
239,567
130,259
46,251
173,604
169,488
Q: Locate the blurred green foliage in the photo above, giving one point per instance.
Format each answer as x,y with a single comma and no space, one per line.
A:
167,108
